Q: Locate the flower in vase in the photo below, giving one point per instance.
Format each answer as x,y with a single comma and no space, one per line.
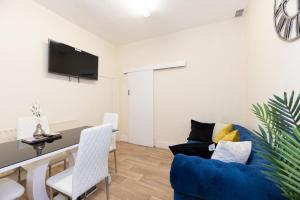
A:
36,110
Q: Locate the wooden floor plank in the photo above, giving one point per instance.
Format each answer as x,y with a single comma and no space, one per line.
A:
143,174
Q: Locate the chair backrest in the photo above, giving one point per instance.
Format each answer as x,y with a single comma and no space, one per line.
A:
8,135
111,118
91,165
27,125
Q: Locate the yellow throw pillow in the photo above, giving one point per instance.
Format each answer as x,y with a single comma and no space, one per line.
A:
224,131
233,136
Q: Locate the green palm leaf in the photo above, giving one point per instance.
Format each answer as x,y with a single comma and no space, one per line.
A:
278,137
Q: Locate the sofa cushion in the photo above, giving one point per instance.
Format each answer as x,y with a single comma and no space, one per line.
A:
238,152
218,127
233,136
222,133
254,159
201,131
192,149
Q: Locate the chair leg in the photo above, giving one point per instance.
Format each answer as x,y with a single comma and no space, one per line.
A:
115,155
19,174
50,170
65,164
51,193
107,188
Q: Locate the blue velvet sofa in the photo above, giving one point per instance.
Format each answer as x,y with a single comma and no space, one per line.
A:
194,178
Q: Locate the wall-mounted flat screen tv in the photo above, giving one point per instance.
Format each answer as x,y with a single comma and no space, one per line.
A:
73,62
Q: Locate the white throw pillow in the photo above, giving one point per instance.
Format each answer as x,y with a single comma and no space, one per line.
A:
238,152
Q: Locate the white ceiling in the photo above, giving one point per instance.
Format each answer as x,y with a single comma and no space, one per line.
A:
122,21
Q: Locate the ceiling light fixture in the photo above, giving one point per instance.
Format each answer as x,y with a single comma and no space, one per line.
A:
144,8
146,13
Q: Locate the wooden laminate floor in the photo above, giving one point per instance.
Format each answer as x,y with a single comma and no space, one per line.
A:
143,174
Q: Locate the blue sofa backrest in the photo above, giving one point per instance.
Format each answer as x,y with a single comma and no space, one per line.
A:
254,160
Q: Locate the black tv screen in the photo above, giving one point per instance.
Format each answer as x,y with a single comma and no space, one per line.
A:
70,61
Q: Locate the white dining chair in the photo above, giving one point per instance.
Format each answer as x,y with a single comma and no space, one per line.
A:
113,119
91,165
10,190
25,128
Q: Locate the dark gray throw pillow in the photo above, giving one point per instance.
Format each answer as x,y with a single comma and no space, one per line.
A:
201,131
192,149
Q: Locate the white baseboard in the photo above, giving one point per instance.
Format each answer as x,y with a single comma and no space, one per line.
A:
163,145
122,137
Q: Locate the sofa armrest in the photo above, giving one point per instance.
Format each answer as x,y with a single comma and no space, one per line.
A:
213,179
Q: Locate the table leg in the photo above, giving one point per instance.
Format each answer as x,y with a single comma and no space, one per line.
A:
35,181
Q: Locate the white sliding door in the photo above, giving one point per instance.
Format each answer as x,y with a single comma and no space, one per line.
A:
141,108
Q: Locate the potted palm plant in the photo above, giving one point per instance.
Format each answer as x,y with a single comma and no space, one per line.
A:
278,137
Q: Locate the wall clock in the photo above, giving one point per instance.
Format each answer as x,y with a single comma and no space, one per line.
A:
287,19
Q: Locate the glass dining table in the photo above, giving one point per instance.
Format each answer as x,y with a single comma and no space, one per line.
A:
35,159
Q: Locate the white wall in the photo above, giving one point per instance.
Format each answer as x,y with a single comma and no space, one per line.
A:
25,28
212,88
230,65
273,64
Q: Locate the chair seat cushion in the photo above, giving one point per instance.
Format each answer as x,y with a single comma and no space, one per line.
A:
62,182
9,189
4,174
